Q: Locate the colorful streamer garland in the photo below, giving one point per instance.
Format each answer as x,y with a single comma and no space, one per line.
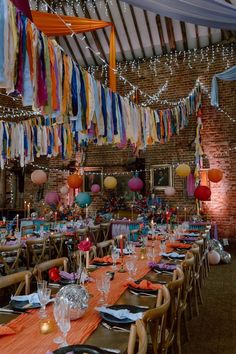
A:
77,109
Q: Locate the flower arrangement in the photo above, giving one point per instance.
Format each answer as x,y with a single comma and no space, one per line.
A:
54,274
85,245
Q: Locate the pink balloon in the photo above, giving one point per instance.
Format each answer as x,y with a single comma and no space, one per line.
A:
52,198
95,188
169,191
38,177
135,184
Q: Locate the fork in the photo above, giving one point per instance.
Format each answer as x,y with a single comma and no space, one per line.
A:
115,328
141,294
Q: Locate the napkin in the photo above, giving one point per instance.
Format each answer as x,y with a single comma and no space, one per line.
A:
191,234
32,298
125,251
68,276
179,245
106,259
9,329
189,239
173,255
144,285
162,266
121,314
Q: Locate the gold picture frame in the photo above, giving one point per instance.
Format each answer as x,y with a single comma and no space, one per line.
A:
161,176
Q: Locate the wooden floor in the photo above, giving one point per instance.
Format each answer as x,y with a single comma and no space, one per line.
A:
214,331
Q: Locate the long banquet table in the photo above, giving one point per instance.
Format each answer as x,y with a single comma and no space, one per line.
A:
28,339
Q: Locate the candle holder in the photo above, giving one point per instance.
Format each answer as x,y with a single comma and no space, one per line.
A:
46,326
122,269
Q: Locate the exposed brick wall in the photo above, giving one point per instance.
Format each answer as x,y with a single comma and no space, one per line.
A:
218,135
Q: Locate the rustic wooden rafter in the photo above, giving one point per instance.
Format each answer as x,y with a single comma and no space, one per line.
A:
161,34
170,33
149,31
184,35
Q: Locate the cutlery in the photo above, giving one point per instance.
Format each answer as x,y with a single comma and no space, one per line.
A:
54,285
141,294
163,272
12,311
116,351
115,328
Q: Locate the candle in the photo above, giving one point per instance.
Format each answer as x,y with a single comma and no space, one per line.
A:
185,214
28,210
87,256
121,245
17,222
132,212
153,235
46,326
177,215
86,211
55,216
25,205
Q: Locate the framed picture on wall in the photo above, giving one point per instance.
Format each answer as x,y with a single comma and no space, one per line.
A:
161,176
92,175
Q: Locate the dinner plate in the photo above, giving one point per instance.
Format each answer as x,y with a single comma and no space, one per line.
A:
181,256
23,305
67,281
109,318
102,264
79,348
137,290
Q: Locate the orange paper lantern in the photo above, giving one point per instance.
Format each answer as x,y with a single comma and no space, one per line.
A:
215,175
74,181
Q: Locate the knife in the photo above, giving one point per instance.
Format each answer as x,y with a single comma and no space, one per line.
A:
3,310
116,351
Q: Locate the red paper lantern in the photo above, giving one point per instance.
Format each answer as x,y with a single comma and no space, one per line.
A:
202,193
74,181
135,184
215,175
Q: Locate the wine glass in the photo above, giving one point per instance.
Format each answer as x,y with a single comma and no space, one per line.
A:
162,246
106,287
64,321
41,285
57,309
130,267
115,256
99,287
44,297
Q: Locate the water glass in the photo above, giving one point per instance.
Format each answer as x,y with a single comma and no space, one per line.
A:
115,256
103,285
63,321
130,265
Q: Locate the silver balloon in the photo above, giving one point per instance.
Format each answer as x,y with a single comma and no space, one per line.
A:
77,297
225,257
215,245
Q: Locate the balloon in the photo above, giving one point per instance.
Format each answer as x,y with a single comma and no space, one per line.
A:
183,170
74,181
83,199
52,198
213,257
95,188
110,182
135,184
202,193
225,257
169,191
64,190
38,177
215,245
215,175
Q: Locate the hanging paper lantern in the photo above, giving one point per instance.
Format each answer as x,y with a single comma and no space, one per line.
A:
169,191
183,170
95,188
215,175
83,199
202,193
135,184
213,257
64,190
110,182
52,198
39,177
74,181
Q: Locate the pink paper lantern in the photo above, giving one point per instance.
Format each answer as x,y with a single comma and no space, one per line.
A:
52,198
213,257
169,191
39,177
64,190
135,184
95,188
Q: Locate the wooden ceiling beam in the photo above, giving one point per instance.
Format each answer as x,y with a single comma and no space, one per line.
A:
137,29
149,31
117,35
125,28
184,35
197,36
93,33
161,34
209,36
170,33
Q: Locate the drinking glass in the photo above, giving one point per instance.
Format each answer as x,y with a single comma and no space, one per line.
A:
99,287
64,321
115,256
57,309
162,246
130,267
41,286
106,287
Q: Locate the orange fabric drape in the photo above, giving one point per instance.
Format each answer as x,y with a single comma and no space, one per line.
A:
53,25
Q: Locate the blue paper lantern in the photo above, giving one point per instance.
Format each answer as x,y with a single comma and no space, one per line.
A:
83,199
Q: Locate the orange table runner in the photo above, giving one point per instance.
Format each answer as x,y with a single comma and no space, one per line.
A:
30,341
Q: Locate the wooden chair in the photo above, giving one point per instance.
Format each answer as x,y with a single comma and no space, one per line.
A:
104,248
138,330
22,279
105,228
197,274
94,232
175,287
155,319
82,234
36,250
187,267
56,244
205,262
9,257
44,266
